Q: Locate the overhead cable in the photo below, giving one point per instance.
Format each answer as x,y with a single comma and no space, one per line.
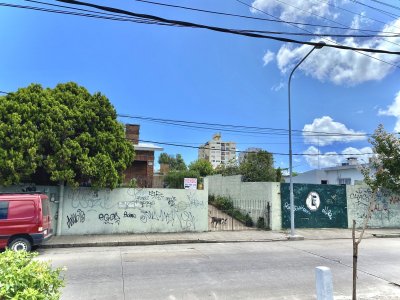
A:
279,131
274,153
255,18
331,41
118,17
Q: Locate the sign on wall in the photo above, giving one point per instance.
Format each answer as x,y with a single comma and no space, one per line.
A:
315,206
190,183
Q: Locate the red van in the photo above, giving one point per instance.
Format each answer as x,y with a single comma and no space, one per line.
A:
24,220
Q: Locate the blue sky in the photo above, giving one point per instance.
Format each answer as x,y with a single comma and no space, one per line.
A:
202,76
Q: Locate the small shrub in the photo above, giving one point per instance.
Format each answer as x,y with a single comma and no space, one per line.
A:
21,277
248,221
261,223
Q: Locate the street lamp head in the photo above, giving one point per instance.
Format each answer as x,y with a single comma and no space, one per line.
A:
319,45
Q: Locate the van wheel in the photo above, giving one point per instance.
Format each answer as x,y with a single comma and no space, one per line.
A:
20,244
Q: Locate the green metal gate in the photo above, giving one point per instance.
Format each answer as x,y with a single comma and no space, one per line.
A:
315,205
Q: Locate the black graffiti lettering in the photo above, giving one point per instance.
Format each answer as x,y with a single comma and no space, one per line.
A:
129,215
186,219
109,218
74,218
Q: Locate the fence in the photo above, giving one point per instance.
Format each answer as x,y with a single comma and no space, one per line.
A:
242,215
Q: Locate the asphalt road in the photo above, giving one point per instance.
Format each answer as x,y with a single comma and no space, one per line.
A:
258,270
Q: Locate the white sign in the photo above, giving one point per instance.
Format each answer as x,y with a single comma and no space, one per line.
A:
313,201
190,183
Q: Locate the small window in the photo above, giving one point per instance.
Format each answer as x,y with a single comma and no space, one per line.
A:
45,207
345,181
324,181
3,210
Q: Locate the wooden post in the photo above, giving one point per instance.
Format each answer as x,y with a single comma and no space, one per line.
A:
355,257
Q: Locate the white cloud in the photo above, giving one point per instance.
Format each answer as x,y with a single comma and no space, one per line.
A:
316,159
278,87
268,57
292,10
359,20
324,131
393,110
343,67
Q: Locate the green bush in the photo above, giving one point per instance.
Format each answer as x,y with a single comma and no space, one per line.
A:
23,278
261,223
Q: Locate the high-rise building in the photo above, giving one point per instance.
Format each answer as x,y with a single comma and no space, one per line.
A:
218,152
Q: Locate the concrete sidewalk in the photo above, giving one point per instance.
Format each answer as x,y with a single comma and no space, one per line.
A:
69,241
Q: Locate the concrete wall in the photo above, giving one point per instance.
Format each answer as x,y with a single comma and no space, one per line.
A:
126,210
386,212
249,195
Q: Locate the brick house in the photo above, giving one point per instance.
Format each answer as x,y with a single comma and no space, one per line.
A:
142,168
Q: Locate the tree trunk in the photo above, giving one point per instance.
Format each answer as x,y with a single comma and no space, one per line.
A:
355,257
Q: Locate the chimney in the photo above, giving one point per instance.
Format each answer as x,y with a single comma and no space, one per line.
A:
352,161
132,133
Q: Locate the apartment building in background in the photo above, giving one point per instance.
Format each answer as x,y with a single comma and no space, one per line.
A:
218,152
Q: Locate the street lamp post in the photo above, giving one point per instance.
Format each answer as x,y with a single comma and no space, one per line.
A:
292,229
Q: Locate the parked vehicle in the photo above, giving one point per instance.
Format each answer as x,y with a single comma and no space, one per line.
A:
25,220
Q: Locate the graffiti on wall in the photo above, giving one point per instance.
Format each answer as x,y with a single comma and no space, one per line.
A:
88,199
109,218
384,213
76,217
133,208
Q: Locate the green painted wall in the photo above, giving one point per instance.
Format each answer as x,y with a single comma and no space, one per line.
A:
316,206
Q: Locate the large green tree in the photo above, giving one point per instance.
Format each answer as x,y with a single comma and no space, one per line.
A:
65,133
202,166
258,166
175,163
384,169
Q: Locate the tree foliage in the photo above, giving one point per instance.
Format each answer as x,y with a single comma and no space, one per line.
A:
65,133
258,166
230,169
202,166
384,169
175,163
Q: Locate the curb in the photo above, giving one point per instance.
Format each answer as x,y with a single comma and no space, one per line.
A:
386,235
150,243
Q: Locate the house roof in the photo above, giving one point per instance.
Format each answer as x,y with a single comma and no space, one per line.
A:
147,147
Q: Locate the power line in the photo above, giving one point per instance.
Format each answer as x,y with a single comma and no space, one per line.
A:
337,45
254,18
241,128
274,153
117,17
224,30
149,19
386,4
355,13
392,15
260,130
97,16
